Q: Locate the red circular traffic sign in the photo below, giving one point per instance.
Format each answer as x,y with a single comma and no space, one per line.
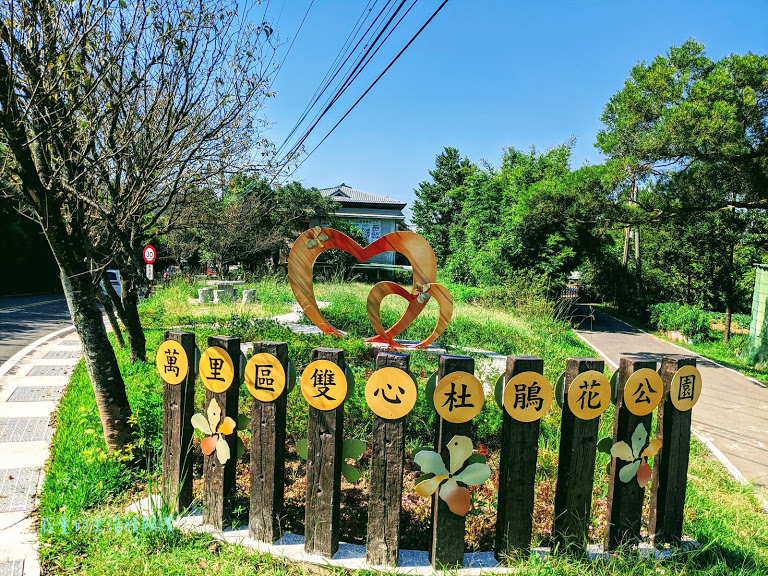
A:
150,254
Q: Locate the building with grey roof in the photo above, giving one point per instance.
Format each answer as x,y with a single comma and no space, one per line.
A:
373,215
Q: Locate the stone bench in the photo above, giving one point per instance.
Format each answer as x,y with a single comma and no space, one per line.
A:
204,294
249,296
220,296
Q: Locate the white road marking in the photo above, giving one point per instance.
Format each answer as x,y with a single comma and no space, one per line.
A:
596,349
13,360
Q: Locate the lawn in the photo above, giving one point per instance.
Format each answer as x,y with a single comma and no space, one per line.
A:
88,487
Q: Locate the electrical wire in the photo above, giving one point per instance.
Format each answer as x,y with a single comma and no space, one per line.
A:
363,61
434,14
326,82
301,25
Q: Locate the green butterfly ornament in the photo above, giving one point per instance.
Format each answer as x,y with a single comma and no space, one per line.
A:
466,469
637,456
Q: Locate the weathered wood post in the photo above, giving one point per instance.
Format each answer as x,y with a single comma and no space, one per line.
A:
517,472
219,484
263,379
625,499
448,529
576,467
178,407
324,450
670,473
387,469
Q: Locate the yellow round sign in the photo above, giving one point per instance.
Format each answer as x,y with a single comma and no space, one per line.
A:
685,389
390,393
527,396
172,362
324,385
643,391
264,377
216,369
589,395
459,397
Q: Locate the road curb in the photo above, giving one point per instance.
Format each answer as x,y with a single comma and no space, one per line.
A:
16,358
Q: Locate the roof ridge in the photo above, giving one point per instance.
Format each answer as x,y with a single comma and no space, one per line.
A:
352,195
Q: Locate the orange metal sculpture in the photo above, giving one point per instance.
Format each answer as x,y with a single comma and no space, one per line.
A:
415,248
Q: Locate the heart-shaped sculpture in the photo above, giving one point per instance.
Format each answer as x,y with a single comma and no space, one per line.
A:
415,248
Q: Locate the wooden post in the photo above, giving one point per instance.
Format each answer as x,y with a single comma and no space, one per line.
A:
178,408
324,445
268,455
387,469
625,499
447,545
219,484
576,467
517,472
670,470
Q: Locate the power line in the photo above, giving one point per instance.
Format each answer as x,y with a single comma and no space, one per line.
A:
361,64
324,85
435,13
280,67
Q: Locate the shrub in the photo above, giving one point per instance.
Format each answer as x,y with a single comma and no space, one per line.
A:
690,321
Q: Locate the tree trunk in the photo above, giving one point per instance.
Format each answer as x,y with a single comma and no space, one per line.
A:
132,323
638,267
624,262
107,382
110,310
126,306
729,289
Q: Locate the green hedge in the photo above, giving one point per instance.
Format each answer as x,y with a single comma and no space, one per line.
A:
690,321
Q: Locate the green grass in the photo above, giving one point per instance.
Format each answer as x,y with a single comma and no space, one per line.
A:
730,354
84,483
172,304
710,346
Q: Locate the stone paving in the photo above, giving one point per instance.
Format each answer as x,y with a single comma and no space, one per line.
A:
29,392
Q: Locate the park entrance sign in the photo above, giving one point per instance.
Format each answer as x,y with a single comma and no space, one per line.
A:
651,421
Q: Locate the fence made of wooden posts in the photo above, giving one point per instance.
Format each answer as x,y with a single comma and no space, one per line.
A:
637,390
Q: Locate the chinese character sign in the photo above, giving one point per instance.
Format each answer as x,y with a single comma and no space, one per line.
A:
216,369
685,389
643,391
589,395
527,396
459,397
265,377
390,393
172,362
324,385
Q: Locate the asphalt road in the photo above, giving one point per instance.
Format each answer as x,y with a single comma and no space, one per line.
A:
732,412
24,319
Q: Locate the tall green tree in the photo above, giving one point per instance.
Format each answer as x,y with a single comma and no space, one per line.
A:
684,108
438,201
532,214
688,135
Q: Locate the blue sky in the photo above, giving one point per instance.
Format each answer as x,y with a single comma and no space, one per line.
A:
483,76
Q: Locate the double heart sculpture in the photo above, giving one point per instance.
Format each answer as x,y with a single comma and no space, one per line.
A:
416,249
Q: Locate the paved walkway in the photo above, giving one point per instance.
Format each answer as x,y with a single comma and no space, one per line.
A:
732,413
30,388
